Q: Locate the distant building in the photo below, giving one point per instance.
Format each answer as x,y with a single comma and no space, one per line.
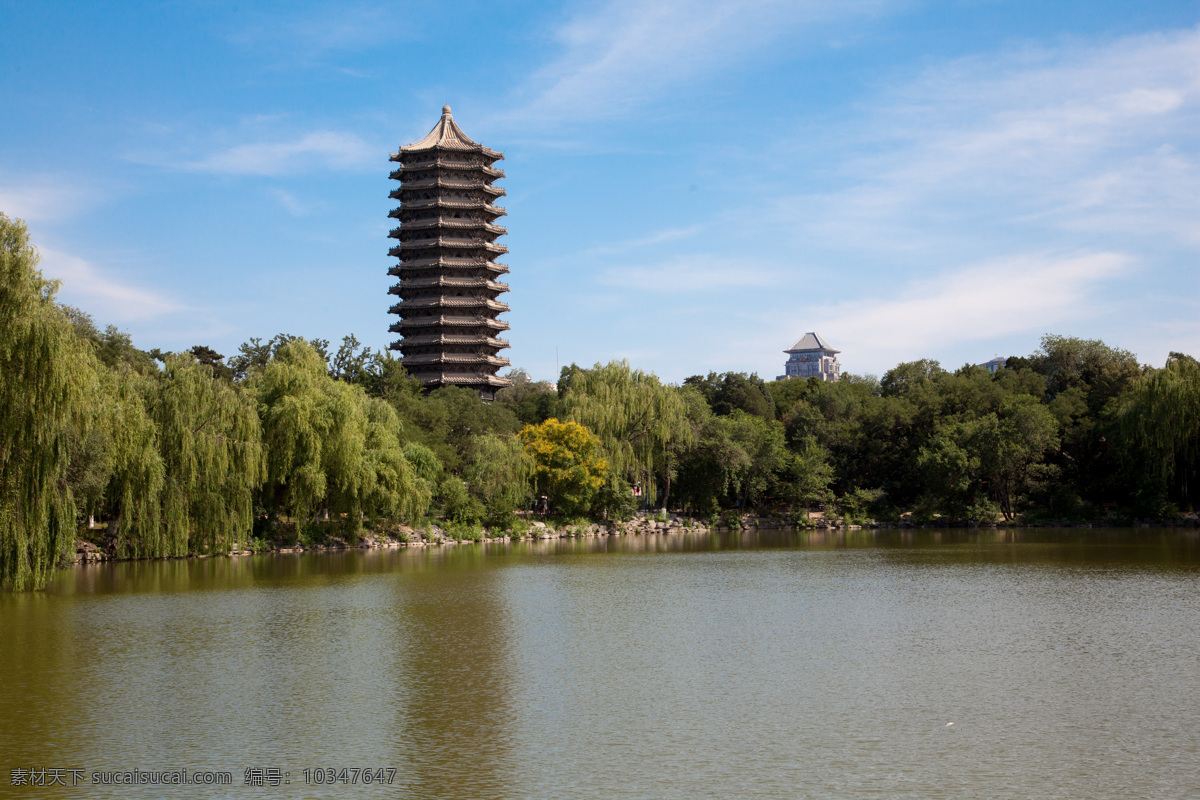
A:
812,357
993,365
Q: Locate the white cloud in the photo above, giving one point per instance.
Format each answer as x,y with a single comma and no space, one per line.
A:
86,286
1022,294
42,198
658,237
290,203
619,57
317,150
1104,139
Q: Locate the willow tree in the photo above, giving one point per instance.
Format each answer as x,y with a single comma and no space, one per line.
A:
635,415
1160,425
380,482
47,377
330,446
136,466
295,422
500,474
211,447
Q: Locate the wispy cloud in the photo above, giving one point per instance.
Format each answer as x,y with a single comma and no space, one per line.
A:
42,198
85,285
617,58
691,274
1102,138
317,150
1031,293
291,203
306,34
658,237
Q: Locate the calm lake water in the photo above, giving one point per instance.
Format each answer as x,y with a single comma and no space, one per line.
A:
768,664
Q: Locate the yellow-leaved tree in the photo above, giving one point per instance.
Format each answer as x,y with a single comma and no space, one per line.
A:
569,467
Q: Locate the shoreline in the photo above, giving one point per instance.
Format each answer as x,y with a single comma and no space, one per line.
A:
401,536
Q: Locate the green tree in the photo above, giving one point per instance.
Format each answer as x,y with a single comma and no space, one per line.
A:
711,467
635,416
732,391
948,470
136,469
1159,426
47,380
211,445
500,473
1012,446
761,480
448,419
330,447
531,402
213,360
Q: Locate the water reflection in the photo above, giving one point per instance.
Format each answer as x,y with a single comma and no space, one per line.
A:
763,663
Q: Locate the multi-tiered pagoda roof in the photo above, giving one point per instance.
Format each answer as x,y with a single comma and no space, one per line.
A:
449,276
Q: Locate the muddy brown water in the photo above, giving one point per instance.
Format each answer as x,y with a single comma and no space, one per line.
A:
770,664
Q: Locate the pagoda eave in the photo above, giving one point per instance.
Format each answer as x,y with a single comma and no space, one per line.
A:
447,322
458,340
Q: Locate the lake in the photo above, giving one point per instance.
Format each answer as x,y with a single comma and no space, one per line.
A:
772,664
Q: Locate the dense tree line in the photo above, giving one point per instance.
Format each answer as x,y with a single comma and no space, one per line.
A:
177,453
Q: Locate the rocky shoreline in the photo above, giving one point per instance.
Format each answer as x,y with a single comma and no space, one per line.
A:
641,524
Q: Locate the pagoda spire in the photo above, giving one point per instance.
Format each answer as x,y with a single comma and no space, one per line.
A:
448,273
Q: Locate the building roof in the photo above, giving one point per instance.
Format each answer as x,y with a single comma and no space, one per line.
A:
447,135
809,342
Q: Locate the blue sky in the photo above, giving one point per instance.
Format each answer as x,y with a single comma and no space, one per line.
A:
691,186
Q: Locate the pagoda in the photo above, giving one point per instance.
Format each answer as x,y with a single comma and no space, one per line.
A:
448,274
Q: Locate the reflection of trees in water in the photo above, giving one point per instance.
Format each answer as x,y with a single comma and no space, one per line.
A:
45,684
455,726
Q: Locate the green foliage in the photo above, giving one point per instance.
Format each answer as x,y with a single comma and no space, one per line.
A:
330,447
909,378
735,391
464,531
532,403
214,360
766,457
210,443
1013,445
862,504
1088,363
47,383
519,528
499,473
112,347
136,471
255,355
809,475
635,416
457,503
995,459
615,499
1159,433
448,419
424,461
